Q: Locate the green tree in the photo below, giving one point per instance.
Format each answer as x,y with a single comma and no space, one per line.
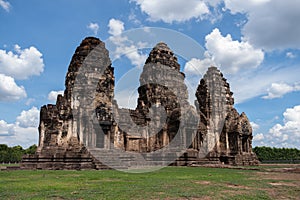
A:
277,154
31,149
3,147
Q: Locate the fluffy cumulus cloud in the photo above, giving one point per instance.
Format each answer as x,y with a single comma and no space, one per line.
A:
116,27
124,46
132,53
258,137
28,118
255,126
285,134
237,6
5,5
261,81
198,66
23,132
288,133
15,135
52,96
5,128
278,90
232,55
271,24
9,90
228,54
94,27
171,11
22,63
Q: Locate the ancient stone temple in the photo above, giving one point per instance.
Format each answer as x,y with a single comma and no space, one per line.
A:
86,129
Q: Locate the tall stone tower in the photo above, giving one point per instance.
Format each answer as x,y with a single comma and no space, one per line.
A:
162,98
228,136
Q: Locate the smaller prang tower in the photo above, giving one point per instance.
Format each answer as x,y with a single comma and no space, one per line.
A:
228,137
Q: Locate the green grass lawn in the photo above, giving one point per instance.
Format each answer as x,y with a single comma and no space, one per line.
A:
167,183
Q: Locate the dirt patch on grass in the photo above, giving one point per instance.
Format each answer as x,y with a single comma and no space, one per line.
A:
278,176
283,184
203,182
228,194
236,186
190,198
285,170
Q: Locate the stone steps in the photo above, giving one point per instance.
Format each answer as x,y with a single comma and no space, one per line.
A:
122,160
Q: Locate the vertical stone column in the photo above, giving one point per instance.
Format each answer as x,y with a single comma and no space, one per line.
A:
70,129
41,136
240,144
227,144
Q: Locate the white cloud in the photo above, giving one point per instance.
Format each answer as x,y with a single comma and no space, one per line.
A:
290,55
124,46
258,137
116,27
29,101
173,11
52,96
133,18
29,118
255,83
132,53
278,90
23,132
17,135
255,126
287,134
213,3
9,90
250,82
232,56
272,24
93,27
236,6
5,5
197,66
22,63
5,128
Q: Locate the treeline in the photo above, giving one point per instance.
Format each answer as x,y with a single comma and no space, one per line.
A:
14,154
264,154
277,155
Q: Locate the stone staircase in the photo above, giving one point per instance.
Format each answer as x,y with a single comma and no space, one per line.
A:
117,159
77,157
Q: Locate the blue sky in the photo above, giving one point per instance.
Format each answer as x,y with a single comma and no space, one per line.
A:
255,44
